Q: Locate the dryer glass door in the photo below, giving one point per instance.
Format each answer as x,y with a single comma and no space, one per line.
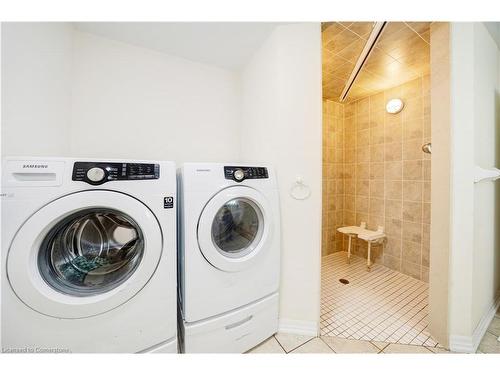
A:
235,228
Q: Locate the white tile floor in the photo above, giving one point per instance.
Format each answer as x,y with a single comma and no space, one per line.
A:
382,305
491,339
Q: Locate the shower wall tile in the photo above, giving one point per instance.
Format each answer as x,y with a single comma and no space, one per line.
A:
393,151
427,170
363,187
334,172
425,257
412,190
392,262
412,170
413,109
393,170
362,204
427,128
393,247
377,104
412,269
425,274
393,189
412,232
363,154
362,171
374,118
362,122
411,252
377,171
426,214
387,176
412,211
412,149
377,189
377,153
413,129
427,191
349,184
394,209
393,228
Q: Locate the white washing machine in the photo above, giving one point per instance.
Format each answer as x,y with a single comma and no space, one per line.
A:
88,256
229,256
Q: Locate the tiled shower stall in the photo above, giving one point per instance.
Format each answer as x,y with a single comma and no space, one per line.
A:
374,171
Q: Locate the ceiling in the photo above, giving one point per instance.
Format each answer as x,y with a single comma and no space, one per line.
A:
228,45
402,53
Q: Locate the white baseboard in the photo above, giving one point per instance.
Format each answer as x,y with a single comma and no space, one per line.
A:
298,327
461,344
469,344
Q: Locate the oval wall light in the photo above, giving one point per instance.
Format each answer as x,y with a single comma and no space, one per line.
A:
394,106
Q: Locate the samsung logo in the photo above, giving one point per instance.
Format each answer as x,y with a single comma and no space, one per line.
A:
31,166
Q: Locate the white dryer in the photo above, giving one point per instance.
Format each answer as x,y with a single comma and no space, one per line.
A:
229,256
88,255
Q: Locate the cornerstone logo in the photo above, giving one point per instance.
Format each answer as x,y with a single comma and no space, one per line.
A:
35,350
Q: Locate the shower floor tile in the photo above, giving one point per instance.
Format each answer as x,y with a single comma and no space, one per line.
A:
382,305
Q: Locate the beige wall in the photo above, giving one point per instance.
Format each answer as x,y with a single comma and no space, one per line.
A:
440,196
386,176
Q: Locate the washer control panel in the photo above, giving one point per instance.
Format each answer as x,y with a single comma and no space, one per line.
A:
97,173
239,174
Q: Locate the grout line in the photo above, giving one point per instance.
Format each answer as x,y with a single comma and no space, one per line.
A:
420,36
400,303
321,338
279,343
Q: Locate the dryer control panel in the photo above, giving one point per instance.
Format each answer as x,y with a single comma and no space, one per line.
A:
239,174
97,173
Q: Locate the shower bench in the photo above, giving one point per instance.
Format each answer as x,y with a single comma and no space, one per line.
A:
370,236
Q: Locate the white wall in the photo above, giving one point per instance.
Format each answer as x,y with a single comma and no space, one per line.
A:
486,271
132,102
70,93
475,247
36,88
281,111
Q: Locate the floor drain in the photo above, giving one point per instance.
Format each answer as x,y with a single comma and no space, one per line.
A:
344,281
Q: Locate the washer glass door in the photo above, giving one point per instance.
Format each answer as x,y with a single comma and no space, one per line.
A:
91,251
84,254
